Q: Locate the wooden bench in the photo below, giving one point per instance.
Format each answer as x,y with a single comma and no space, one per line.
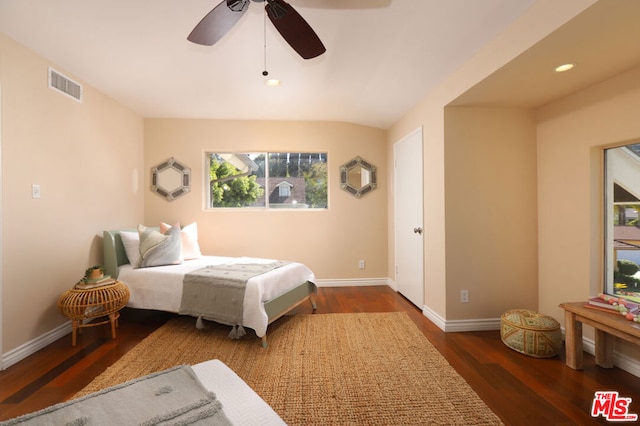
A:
606,325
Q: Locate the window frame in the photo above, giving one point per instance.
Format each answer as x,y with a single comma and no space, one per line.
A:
267,206
614,176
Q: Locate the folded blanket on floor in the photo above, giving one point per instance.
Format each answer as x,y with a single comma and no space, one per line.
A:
170,397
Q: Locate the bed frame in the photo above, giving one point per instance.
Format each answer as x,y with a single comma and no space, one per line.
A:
115,255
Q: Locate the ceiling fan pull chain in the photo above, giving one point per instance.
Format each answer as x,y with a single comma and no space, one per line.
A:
264,21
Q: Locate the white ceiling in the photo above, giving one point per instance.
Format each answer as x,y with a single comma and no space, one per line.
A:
382,57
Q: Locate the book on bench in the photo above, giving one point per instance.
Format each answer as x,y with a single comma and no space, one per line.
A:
613,304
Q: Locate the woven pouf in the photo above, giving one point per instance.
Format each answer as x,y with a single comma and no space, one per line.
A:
531,333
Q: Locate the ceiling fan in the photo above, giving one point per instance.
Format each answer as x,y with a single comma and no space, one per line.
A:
291,26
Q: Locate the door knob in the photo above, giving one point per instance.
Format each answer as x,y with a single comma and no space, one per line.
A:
417,230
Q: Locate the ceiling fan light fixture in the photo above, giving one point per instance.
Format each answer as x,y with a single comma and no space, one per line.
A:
277,10
564,67
272,82
237,5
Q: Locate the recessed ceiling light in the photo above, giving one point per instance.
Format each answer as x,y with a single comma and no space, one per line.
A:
272,82
564,67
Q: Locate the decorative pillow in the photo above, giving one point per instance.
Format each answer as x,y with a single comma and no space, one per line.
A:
158,249
131,243
189,237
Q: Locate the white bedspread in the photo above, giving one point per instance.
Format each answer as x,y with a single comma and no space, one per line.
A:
160,287
239,402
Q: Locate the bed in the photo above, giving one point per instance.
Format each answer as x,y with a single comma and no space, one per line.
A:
267,297
173,396
239,402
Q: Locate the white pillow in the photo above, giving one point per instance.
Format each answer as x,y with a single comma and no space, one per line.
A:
131,243
189,238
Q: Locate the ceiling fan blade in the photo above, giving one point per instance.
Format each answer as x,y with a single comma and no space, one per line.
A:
294,29
344,4
218,22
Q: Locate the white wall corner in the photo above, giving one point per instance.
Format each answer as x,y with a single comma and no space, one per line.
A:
391,283
434,317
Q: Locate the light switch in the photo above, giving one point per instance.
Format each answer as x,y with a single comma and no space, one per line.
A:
35,191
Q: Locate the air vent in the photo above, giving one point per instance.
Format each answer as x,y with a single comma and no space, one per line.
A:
65,85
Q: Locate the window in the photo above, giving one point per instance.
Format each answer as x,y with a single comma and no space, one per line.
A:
622,228
267,180
284,189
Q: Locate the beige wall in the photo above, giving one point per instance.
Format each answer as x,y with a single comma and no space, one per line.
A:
571,136
87,157
491,213
329,241
441,292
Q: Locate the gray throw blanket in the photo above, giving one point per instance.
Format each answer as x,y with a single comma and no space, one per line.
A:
171,397
217,292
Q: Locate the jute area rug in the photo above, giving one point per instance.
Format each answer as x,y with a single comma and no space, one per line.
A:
366,369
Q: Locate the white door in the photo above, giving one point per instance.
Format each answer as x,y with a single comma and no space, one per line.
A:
1,258
409,230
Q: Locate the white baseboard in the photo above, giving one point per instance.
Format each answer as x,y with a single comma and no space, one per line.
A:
33,346
353,282
630,365
481,324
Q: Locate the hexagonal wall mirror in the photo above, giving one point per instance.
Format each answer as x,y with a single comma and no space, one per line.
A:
170,179
358,177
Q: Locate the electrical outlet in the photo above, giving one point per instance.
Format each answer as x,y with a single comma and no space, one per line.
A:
361,264
464,296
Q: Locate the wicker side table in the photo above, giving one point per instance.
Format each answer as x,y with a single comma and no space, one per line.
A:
105,301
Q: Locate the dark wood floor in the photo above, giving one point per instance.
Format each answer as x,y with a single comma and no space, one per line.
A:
519,389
